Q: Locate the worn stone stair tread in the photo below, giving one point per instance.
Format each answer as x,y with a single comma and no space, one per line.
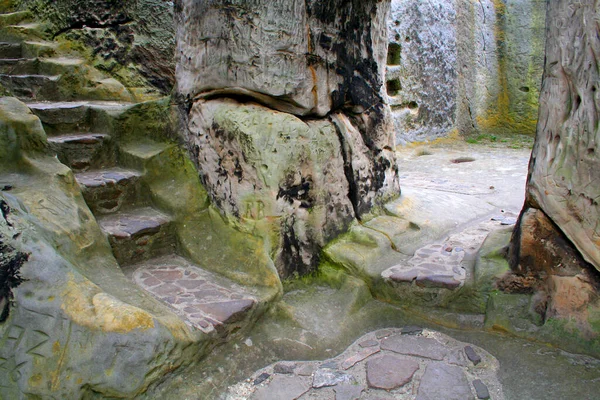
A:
79,138
207,301
15,17
16,66
10,50
145,150
37,76
132,223
105,177
48,105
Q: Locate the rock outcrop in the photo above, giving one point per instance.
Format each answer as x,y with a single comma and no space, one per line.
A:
286,117
469,66
556,246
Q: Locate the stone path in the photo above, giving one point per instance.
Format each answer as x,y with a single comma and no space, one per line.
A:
406,363
206,301
446,264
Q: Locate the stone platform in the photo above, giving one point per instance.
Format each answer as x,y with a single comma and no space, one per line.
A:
406,363
205,301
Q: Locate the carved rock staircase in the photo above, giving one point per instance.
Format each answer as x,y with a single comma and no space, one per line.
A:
112,179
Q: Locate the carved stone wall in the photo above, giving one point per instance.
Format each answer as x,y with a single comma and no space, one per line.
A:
465,66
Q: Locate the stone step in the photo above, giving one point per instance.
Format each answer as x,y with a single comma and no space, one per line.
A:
107,191
61,118
83,151
37,66
37,48
14,18
19,66
31,87
24,31
206,301
10,50
137,154
138,234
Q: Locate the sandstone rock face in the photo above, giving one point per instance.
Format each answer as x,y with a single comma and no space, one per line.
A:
555,249
464,65
265,165
125,36
564,166
304,179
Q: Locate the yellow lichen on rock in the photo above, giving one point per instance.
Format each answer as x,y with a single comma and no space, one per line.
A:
86,305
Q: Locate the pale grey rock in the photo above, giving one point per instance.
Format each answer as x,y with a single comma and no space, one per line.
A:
326,377
469,66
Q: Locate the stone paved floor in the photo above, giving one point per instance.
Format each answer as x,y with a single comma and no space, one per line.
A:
203,300
406,363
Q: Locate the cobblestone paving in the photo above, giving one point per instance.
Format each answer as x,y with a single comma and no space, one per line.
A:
193,293
407,363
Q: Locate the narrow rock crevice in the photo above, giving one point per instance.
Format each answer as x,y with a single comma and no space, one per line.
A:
353,192
91,24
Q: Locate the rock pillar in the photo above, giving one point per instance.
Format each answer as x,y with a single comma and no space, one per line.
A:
285,114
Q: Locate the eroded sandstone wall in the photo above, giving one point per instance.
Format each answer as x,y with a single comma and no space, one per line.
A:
466,66
557,241
286,116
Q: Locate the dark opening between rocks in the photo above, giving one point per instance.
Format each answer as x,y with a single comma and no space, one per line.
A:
394,55
393,86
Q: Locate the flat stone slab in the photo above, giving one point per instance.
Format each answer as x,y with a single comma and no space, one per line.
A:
80,138
390,372
348,392
427,373
133,223
415,346
443,381
283,387
207,302
106,177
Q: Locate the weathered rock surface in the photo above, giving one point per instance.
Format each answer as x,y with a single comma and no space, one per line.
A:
327,56
261,165
488,59
555,250
564,166
306,180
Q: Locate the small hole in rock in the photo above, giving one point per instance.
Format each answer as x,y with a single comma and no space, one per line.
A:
524,89
462,160
394,54
393,86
